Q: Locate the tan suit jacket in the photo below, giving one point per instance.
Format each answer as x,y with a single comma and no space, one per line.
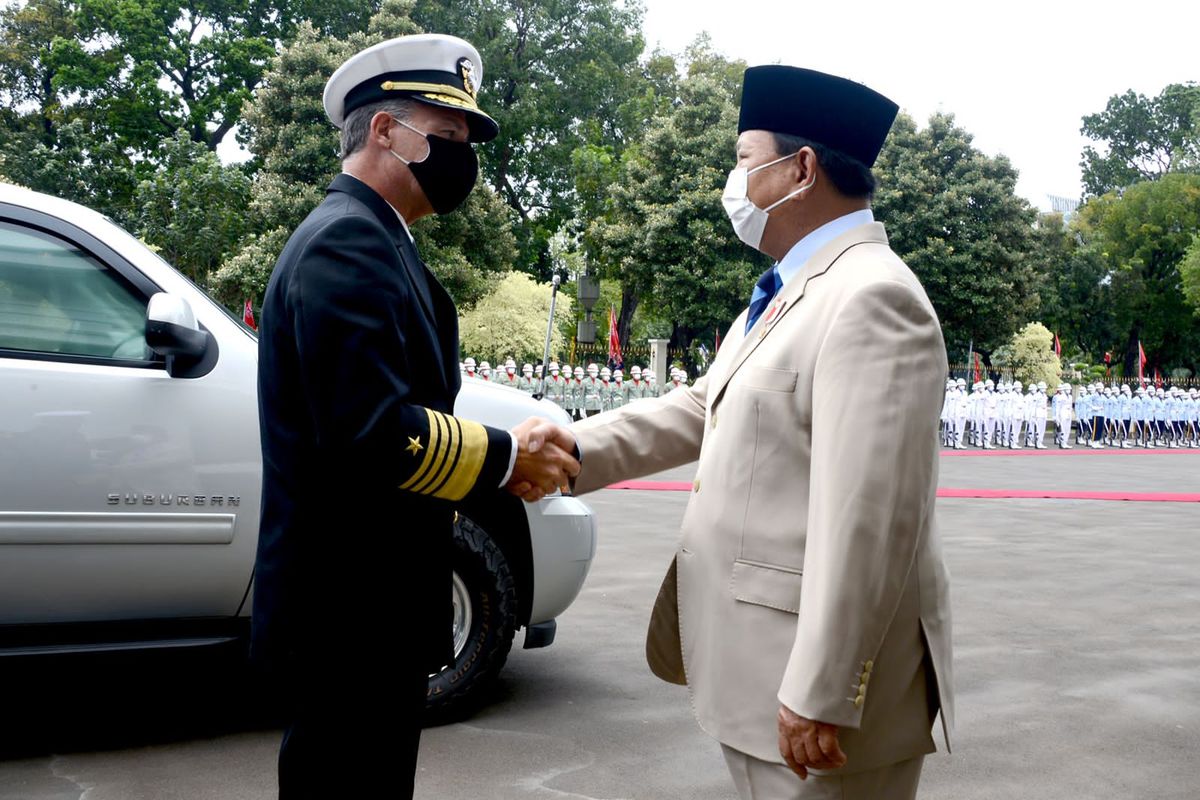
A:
809,571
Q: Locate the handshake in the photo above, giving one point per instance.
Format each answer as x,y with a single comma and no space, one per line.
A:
545,459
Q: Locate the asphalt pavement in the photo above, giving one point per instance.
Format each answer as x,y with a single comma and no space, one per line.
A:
1077,643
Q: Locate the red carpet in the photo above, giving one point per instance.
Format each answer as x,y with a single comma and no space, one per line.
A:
1079,450
990,494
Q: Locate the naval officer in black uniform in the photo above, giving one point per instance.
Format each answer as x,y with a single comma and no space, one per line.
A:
363,462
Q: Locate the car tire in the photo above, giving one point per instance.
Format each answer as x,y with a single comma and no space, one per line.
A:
485,620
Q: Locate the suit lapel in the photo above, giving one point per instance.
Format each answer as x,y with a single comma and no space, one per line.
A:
390,220
791,294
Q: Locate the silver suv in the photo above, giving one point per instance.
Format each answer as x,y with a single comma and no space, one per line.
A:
130,465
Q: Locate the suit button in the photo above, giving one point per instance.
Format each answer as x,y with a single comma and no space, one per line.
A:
866,676
867,667
696,485
858,701
862,689
712,422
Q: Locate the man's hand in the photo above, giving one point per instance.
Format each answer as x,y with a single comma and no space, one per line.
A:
807,744
544,461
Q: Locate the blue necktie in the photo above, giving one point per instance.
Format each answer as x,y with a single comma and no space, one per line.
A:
766,288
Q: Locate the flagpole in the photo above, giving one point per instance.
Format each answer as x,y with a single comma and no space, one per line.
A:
549,328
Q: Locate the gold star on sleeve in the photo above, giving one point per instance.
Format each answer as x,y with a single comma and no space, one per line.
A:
414,445
456,452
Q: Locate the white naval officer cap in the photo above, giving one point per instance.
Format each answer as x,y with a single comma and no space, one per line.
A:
432,68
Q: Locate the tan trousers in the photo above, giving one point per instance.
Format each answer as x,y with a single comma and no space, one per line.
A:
761,780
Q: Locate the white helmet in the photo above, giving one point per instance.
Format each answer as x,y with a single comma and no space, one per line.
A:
527,369
1041,386
579,373
484,365
961,382
989,384
1016,385
554,366
593,370
606,373
635,371
618,375
470,362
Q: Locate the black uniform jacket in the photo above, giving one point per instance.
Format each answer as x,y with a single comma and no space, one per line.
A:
362,461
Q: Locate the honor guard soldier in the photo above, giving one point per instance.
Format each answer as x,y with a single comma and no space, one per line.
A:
592,401
651,382
606,389
556,387
485,370
577,389
634,389
358,374
526,383
469,365
509,376
570,405
616,398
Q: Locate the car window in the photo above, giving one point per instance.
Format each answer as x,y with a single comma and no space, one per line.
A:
56,298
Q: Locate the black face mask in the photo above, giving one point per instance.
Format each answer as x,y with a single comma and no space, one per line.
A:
447,174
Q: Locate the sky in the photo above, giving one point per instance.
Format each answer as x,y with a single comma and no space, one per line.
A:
1018,75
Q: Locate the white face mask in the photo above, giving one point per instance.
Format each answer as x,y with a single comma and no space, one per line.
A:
749,221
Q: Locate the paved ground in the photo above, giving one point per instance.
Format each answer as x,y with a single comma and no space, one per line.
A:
1077,631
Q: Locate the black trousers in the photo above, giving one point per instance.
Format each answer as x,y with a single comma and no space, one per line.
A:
354,731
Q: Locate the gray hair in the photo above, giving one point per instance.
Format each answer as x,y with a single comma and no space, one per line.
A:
357,125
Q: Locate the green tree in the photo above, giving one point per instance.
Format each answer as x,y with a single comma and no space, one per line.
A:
558,75
511,321
27,70
1142,235
148,68
192,209
953,215
1189,271
1143,138
297,148
1073,288
1032,356
666,236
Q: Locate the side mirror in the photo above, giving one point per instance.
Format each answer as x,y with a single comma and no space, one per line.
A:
172,331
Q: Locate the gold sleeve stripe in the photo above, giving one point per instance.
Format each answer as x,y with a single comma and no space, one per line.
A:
446,468
446,444
469,462
430,452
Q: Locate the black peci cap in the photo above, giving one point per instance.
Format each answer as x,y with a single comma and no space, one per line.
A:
838,113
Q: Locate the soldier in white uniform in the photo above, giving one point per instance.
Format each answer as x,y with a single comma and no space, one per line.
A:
960,406
947,425
1062,410
1039,416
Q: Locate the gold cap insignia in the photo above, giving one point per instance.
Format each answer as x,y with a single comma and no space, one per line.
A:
467,70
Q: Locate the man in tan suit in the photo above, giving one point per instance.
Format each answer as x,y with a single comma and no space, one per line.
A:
807,607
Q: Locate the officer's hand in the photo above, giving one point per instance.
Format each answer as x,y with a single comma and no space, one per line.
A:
544,461
805,743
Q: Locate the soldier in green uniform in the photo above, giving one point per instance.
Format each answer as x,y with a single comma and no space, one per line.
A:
577,388
616,397
527,383
605,388
569,404
650,384
556,387
634,389
509,376
592,401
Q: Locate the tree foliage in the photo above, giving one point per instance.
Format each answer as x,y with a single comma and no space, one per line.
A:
194,237
297,148
1142,235
1144,138
666,236
511,321
1032,356
1074,290
953,215
558,75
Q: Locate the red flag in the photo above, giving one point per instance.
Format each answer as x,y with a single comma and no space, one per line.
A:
1057,346
1157,378
1141,361
716,340
614,339
978,368
248,316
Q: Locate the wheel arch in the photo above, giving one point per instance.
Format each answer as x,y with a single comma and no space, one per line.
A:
507,523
